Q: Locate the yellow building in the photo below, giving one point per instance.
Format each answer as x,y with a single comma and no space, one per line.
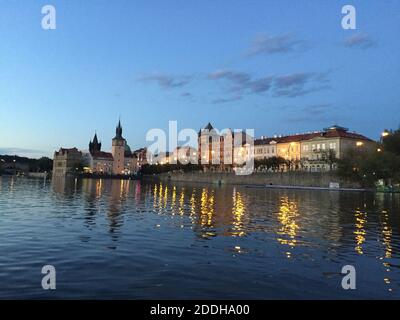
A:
321,150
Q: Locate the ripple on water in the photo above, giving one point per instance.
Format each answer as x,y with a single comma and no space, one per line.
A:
130,239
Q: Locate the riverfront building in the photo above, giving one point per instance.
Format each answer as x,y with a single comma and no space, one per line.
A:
66,162
221,150
316,151
120,161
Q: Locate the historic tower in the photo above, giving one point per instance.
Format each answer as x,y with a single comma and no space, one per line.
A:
118,151
95,145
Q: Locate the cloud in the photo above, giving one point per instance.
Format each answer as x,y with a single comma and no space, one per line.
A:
239,78
291,85
300,84
359,41
241,82
265,44
226,100
166,81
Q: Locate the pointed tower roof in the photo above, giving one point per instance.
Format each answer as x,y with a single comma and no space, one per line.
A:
95,145
95,140
118,131
209,127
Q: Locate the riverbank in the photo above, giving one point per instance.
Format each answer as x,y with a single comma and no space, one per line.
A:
292,179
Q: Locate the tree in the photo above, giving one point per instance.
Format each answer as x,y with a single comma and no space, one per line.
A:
391,142
367,167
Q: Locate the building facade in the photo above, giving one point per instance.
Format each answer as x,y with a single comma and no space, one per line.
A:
221,151
120,161
184,155
317,151
66,162
321,151
265,148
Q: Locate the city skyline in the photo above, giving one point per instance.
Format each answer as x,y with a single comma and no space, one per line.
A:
238,65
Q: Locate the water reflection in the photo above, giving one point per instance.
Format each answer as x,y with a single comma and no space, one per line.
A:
230,211
344,223
287,216
359,230
218,229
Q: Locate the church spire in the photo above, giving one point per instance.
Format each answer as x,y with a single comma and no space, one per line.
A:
118,131
95,145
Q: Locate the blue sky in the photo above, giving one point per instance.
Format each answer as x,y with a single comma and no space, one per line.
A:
279,67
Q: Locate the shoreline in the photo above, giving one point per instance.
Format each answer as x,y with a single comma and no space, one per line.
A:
308,188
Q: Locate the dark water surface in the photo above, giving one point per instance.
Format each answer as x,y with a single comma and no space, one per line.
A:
132,239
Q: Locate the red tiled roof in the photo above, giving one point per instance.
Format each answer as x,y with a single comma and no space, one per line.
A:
308,136
345,134
298,137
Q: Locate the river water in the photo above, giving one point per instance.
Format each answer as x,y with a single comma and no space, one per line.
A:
150,240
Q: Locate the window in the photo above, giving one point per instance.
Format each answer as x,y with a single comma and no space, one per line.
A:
323,146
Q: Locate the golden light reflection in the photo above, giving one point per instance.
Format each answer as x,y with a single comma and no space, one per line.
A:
173,200
193,204
165,198
155,196
238,210
99,187
288,212
387,239
359,232
160,198
387,235
207,208
182,202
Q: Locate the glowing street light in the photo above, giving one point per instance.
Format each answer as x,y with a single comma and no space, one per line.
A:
385,133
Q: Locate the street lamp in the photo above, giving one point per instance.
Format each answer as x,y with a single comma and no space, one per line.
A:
385,133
